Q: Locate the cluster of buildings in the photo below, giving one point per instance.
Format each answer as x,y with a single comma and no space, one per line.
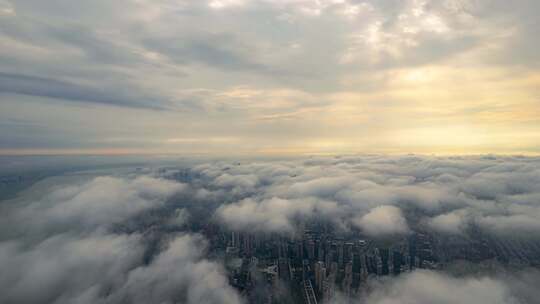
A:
317,265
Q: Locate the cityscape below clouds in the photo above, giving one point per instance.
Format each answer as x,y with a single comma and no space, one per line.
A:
269,152
349,229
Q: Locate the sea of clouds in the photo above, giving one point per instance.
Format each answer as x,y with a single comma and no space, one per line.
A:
500,195
121,238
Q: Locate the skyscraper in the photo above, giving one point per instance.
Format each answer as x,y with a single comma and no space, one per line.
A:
397,261
320,275
384,254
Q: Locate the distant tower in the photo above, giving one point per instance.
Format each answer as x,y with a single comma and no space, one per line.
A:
397,261
384,253
320,252
235,239
340,254
320,275
329,288
348,279
310,247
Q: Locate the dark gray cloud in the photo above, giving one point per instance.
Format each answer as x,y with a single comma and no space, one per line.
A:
72,92
222,51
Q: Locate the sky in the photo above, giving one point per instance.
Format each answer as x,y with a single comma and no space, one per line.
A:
282,77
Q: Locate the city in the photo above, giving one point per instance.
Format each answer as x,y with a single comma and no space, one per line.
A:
326,230
315,264
269,152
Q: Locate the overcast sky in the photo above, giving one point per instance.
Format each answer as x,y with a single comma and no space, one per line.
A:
269,77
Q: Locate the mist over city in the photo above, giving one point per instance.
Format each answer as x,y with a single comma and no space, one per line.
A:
350,229
269,152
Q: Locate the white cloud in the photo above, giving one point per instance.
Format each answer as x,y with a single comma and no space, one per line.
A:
274,214
93,204
178,272
519,225
452,223
424,287
109,269
450,193
65,267
222,4
382,221
64,247
70,237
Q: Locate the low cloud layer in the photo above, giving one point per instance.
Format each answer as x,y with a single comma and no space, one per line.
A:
426,287
383,195
121,238
63,245
274,214
381,221
88,206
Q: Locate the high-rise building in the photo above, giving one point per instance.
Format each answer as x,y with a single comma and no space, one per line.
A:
309,293
412,252
283,269
397,261
340,254
384,253
320,251
299,251
320,275
357,263
235,239
348,252
247,244
329,259
310,247
329,288
334,268
347,279
371,264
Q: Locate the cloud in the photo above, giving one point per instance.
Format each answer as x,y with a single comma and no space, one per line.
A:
320,187
130,58
66,268
451,223
448,194
239,183
95,204
519,225
423,287
109,269
178,273
68,91
180,218
81,239
382,221
273,215
118,238
217,51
